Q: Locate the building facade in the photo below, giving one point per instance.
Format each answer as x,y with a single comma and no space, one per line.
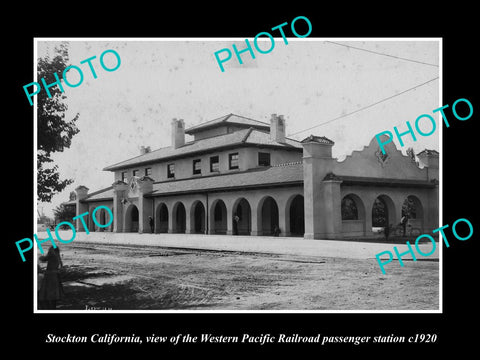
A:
240,176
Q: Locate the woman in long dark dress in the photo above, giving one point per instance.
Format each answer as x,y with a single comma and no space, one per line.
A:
51,289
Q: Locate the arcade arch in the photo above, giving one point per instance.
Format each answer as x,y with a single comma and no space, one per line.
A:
383,212
268,211
218,217
242,214
296,213
161,218
412,208
179,218
197,218
131,219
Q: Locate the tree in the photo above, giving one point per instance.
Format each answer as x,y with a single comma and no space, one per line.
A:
411,153
349,209
379,213
409,208
64,213
54,132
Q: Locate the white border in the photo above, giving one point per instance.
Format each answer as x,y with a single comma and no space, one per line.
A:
440,292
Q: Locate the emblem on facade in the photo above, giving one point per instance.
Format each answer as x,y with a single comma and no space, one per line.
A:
381,157
134,183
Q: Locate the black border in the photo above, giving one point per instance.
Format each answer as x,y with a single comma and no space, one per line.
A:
455,25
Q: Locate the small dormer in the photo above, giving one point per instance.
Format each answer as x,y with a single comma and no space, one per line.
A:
225,125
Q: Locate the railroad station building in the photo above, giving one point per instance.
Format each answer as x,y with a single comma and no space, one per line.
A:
240,176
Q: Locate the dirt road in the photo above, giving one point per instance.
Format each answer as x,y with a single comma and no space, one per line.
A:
116,277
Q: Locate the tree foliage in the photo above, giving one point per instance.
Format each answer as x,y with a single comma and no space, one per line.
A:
409,208
411,153
54,131
349,209
379,213
64,213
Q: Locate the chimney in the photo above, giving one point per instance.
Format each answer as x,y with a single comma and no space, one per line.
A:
178,133
277,128
144,150
81,192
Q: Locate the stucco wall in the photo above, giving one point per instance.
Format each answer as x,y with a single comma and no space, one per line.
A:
248,159
219,130
366,195
367,163
353,228
102,219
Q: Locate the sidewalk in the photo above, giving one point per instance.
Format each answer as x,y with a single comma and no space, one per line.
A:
261,244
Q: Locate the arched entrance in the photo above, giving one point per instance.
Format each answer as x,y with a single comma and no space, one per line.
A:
100,218
412,209
131,219
297,216
161,219
218,217
198,218
383,213
269,215
242,224
179,218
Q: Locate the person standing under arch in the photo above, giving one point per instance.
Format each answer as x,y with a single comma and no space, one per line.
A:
236,219
150,221
404,222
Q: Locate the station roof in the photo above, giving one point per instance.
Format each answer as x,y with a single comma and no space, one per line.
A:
249,136
287,174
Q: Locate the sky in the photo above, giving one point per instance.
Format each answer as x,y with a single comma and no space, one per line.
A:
310,81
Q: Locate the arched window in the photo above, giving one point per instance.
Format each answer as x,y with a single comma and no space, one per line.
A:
349,209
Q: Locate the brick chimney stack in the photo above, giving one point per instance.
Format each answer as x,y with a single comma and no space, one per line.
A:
178,133
277,128
144,150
